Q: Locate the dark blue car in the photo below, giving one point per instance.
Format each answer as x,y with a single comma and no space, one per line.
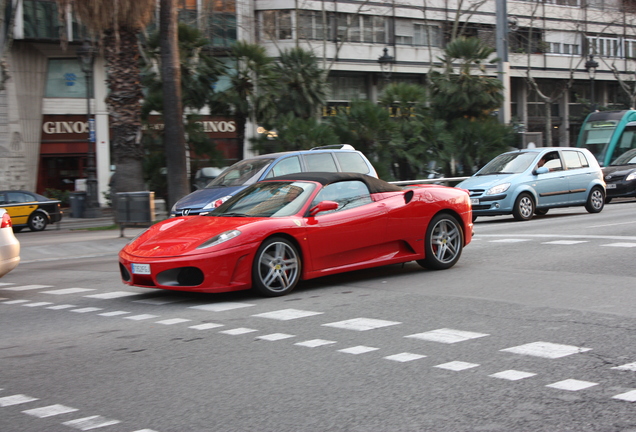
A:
338,158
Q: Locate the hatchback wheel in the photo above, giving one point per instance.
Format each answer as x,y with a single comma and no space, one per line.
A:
524,207
443,243
38,221
595,201
276,268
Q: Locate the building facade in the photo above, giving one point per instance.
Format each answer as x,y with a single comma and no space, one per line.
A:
44,137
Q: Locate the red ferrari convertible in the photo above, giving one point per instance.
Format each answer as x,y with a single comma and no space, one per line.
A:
301,226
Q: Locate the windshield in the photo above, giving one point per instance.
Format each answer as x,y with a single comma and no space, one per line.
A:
241,173
597,136
508,163
627,158
267,199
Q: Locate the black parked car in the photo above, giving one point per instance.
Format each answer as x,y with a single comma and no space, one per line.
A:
28,209
620,176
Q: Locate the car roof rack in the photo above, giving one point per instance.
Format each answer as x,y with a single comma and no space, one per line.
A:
335,146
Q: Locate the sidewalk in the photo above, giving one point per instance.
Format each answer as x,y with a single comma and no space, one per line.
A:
69,223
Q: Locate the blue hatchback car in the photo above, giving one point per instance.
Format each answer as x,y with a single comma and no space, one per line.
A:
336,158
532,181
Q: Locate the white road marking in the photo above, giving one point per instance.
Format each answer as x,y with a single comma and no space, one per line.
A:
360,349
87,309
629,396
112,295
173,321
275,336
62,306
315,343
6,283
15,301
565,242
457,366
628,367
287,314
67,291
141,317
15,400
37,304
404,357
88,423
238,331
114,313
49,411
512,375
624,245
509,241
26,287
447,336
221,307
205,326
361,324
546,350
572,385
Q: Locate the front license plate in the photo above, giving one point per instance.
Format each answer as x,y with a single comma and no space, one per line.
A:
611,186
143,269
474,201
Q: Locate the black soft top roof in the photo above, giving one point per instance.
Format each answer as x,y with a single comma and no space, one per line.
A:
375,185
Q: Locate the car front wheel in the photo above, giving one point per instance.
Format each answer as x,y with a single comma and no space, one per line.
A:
38,221
276,268
443,243
595,201
524,207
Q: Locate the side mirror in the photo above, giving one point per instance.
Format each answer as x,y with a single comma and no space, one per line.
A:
323,206
541,170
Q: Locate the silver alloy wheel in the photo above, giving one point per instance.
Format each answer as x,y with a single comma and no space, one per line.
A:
37,222
446,241
596,199
278,267
526,207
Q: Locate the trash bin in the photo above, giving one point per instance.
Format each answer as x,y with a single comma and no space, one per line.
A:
135,207
78,204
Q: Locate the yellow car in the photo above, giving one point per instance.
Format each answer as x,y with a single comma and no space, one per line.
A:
28,209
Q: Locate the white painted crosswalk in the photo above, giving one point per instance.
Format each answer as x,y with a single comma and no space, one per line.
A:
423,353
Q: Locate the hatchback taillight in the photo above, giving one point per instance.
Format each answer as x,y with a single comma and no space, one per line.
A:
6,221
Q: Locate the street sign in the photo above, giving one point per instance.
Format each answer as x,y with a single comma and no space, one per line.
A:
91,130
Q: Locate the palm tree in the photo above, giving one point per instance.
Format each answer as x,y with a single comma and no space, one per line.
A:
368,127
199,73
116,23
250,95
462,93
409,146
303,85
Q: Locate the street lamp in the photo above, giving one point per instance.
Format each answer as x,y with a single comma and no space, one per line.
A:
386,64
86,56
591,66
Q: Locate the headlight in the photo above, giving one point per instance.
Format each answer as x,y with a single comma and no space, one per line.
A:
631,176
214,204
495,190
218,239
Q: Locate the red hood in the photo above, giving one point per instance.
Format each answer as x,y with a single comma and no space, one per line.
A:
179,236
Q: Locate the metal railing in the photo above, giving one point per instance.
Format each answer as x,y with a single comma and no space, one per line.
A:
446,181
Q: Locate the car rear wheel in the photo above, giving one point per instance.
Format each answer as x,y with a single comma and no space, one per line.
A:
38,221
276,268
595,201
524,207
443,243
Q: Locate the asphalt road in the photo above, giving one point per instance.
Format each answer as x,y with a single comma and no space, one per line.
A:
533,330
